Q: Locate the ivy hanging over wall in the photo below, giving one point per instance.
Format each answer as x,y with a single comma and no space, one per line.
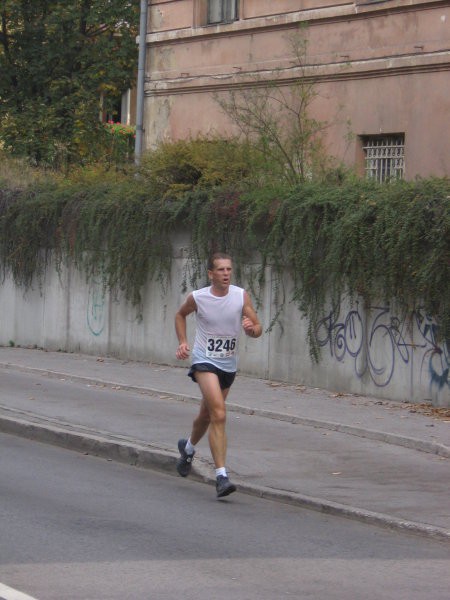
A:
109,228
380,242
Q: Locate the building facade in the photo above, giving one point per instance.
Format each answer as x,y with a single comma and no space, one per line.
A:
380,70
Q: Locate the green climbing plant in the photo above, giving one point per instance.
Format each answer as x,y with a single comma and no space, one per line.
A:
380,242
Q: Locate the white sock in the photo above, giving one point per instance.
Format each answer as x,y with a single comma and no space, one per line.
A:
189,448
221,471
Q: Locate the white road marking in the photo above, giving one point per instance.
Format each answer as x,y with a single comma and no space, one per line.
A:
7,593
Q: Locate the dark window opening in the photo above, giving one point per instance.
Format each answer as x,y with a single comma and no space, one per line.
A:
222,11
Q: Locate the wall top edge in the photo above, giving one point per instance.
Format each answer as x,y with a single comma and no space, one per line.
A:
251,24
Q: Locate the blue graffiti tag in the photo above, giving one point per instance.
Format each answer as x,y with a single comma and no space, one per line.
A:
438,356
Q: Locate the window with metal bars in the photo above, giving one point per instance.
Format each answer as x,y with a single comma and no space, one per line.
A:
222,11
384,156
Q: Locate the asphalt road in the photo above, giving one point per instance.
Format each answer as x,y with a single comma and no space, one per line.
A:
78,527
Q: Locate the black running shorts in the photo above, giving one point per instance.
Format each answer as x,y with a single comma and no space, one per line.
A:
225,379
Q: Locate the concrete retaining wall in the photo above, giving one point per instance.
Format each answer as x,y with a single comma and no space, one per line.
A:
375,352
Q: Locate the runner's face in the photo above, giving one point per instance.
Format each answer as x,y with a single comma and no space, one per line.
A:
220,276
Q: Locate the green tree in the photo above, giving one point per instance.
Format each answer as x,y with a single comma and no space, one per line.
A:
58,59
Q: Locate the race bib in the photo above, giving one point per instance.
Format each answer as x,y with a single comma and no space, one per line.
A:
220,346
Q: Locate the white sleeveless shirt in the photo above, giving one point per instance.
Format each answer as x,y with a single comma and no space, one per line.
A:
218,322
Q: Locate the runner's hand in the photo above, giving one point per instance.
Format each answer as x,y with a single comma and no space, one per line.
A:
248,326
183,351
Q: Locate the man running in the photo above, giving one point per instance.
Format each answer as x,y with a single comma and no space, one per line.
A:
221,310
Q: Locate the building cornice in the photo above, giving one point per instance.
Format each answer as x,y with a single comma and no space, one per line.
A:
392,66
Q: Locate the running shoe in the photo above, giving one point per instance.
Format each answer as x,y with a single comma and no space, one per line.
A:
224,487
184,463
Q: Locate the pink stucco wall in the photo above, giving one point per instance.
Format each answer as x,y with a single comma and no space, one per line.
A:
380,67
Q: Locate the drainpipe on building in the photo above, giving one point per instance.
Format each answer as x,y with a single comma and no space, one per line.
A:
140,82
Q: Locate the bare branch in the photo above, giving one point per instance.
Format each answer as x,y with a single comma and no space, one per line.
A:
274,115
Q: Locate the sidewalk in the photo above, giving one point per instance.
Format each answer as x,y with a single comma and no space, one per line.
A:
360,457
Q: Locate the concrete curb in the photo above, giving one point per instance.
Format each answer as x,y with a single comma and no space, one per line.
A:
124,450
371,434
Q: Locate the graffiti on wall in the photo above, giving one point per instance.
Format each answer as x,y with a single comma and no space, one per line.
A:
381,341
96,308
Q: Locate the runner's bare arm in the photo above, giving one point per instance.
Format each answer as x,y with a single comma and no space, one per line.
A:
185,309
250,321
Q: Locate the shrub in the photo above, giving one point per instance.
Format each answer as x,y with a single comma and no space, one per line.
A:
202,163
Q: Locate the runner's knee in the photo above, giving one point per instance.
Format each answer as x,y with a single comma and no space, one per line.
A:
218,416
